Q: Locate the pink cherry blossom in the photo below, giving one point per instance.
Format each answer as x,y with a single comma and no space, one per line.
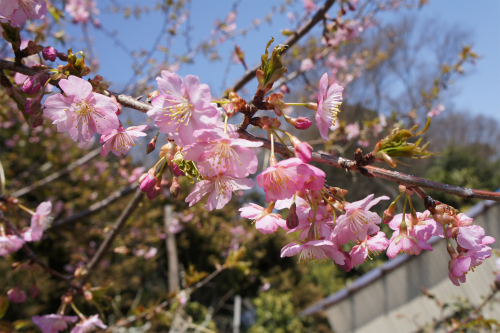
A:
328,105
317,250
406,240
323,225
435,111
16,295
468,260
374,245
120,140
220,188
53,323
20,10
422,230
352,131
88,325
80,10
266,222
82,112
354,224
9,244
317,179
217,153
282,180
39,221
182,108
473,236
306,65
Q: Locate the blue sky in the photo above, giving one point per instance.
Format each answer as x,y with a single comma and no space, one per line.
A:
478,91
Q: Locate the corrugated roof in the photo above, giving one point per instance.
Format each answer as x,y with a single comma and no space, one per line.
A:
386,267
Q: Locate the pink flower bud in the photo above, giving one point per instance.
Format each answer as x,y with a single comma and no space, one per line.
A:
176,171
175,189
301,123
16,295
49,53
36,120
151,145
154,192
147,183
284,89
62,56
302,150
32,85
292,220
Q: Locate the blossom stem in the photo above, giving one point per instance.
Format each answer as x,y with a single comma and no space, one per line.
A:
26,209
404,208
221,102
158,163
333,207
281,140
298,104
272,144
225,124
413,213
78,311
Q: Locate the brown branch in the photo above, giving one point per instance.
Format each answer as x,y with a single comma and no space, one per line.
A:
57,174
395,176
120,222
34,257
338,162
291,41
97,206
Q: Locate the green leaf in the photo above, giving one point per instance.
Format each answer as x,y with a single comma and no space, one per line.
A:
271,69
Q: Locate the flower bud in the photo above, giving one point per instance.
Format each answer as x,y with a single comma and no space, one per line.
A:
176,171
284,89
302,149
16,295
292,220
154,192
88,295
148,182
237,102
389,213
49,53
151,145
175,189
168,150
62,56
32,84
36,120
301,123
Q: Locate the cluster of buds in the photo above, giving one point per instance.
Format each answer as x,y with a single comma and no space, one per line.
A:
266,122
236,104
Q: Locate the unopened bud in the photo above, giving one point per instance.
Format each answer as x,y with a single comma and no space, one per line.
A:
36,120
154,192
49,53
389,213
67,299
301,123
88,295
147,181
302,149
237,102
284,89
292,220
175,189
62,56
151,145
168,150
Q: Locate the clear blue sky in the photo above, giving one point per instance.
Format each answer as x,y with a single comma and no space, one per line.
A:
479,90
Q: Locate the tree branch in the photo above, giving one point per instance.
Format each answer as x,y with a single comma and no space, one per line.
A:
97,206
291,41
338,162
57,174
120,222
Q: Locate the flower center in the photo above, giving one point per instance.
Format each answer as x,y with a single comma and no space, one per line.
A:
312,253
359,220
180,112
278,179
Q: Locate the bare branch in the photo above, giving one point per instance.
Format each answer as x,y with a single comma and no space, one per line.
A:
57,174
97,206
120,222
291,41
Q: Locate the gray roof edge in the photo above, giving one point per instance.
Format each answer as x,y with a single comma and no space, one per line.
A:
386,267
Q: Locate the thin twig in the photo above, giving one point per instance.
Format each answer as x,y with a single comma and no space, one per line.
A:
474,313
292,40
124,191
120,222
57,174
